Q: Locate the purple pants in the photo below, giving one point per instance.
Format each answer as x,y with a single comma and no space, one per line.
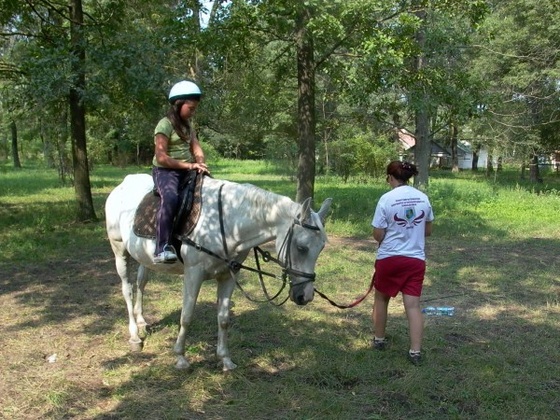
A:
167,182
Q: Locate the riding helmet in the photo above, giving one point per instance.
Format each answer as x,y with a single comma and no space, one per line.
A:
185,89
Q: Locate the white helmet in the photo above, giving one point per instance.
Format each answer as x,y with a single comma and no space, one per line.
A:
184,90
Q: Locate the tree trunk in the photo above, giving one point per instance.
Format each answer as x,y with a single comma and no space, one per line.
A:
422,150
64,165
423,147
454,154
4,145
194,62
475,152
489,165
306,107
328,106
534,175
82,185
48,153
15,153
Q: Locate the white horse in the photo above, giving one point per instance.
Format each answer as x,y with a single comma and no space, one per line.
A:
234,219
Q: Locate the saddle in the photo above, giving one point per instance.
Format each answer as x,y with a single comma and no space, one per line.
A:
190,206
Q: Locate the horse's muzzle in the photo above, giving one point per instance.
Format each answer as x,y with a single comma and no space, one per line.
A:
302,294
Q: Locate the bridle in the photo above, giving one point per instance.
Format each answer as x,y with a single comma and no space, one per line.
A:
287,245
285,249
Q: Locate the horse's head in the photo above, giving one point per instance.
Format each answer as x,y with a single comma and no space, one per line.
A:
300,249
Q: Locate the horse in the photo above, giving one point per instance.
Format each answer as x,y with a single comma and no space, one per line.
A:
234,219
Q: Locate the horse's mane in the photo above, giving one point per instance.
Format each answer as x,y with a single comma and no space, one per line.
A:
266,205
265,202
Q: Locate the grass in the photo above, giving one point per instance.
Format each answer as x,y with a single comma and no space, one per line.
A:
493,255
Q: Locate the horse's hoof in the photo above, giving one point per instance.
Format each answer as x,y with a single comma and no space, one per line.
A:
136,346
182,363
228,365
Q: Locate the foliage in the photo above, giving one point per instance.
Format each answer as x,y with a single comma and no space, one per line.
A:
518,61
361,154
489,70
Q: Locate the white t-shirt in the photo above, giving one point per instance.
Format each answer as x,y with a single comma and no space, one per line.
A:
403,213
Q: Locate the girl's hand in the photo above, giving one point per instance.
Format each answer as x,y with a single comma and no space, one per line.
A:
200,167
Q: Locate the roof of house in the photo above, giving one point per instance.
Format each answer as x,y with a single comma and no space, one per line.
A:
436,150
464,146
408,142
406,138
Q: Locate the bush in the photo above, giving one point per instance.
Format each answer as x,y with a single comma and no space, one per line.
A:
361,155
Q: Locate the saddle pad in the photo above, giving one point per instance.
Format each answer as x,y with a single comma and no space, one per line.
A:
145,218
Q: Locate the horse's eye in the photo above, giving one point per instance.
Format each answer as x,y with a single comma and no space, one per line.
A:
303,249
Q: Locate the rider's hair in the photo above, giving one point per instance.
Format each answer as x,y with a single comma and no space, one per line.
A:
402,171
182,128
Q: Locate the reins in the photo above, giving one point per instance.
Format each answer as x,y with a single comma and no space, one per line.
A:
235,266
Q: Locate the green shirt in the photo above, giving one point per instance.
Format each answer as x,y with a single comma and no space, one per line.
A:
176,148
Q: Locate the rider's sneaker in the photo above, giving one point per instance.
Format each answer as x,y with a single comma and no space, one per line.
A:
167,256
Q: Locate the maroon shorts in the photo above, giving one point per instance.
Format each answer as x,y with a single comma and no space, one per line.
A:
400,274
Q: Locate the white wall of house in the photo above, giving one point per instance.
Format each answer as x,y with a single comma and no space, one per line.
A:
465,161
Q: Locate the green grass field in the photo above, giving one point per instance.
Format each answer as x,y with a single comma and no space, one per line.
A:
493,255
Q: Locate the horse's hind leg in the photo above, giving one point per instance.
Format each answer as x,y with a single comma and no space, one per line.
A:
122,259
141,280
225,290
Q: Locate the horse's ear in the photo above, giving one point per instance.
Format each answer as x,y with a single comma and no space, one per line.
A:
305,210
324,209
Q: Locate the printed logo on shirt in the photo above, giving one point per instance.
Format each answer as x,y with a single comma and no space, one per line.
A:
410,219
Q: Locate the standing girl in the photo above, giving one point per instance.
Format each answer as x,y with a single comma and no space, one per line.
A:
403,218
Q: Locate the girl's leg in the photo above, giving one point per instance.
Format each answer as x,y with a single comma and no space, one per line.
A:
167,184
415,321
379,313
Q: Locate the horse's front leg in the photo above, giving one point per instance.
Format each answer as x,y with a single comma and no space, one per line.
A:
191,289
225,290
122,264
141,280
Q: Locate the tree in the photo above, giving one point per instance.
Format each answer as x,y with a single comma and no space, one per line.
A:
82,184
278,32
409,60
306,104
122,65
518,56
420,100
15,153
287,45
41,24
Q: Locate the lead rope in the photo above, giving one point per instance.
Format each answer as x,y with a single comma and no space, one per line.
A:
356,302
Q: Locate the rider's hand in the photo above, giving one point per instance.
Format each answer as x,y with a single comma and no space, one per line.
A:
200,167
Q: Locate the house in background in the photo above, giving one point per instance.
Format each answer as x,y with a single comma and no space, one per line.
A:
465,155
441,156
550,161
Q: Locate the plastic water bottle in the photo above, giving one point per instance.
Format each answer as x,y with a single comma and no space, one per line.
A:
439,311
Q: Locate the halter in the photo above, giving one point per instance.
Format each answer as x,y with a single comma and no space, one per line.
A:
235,266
